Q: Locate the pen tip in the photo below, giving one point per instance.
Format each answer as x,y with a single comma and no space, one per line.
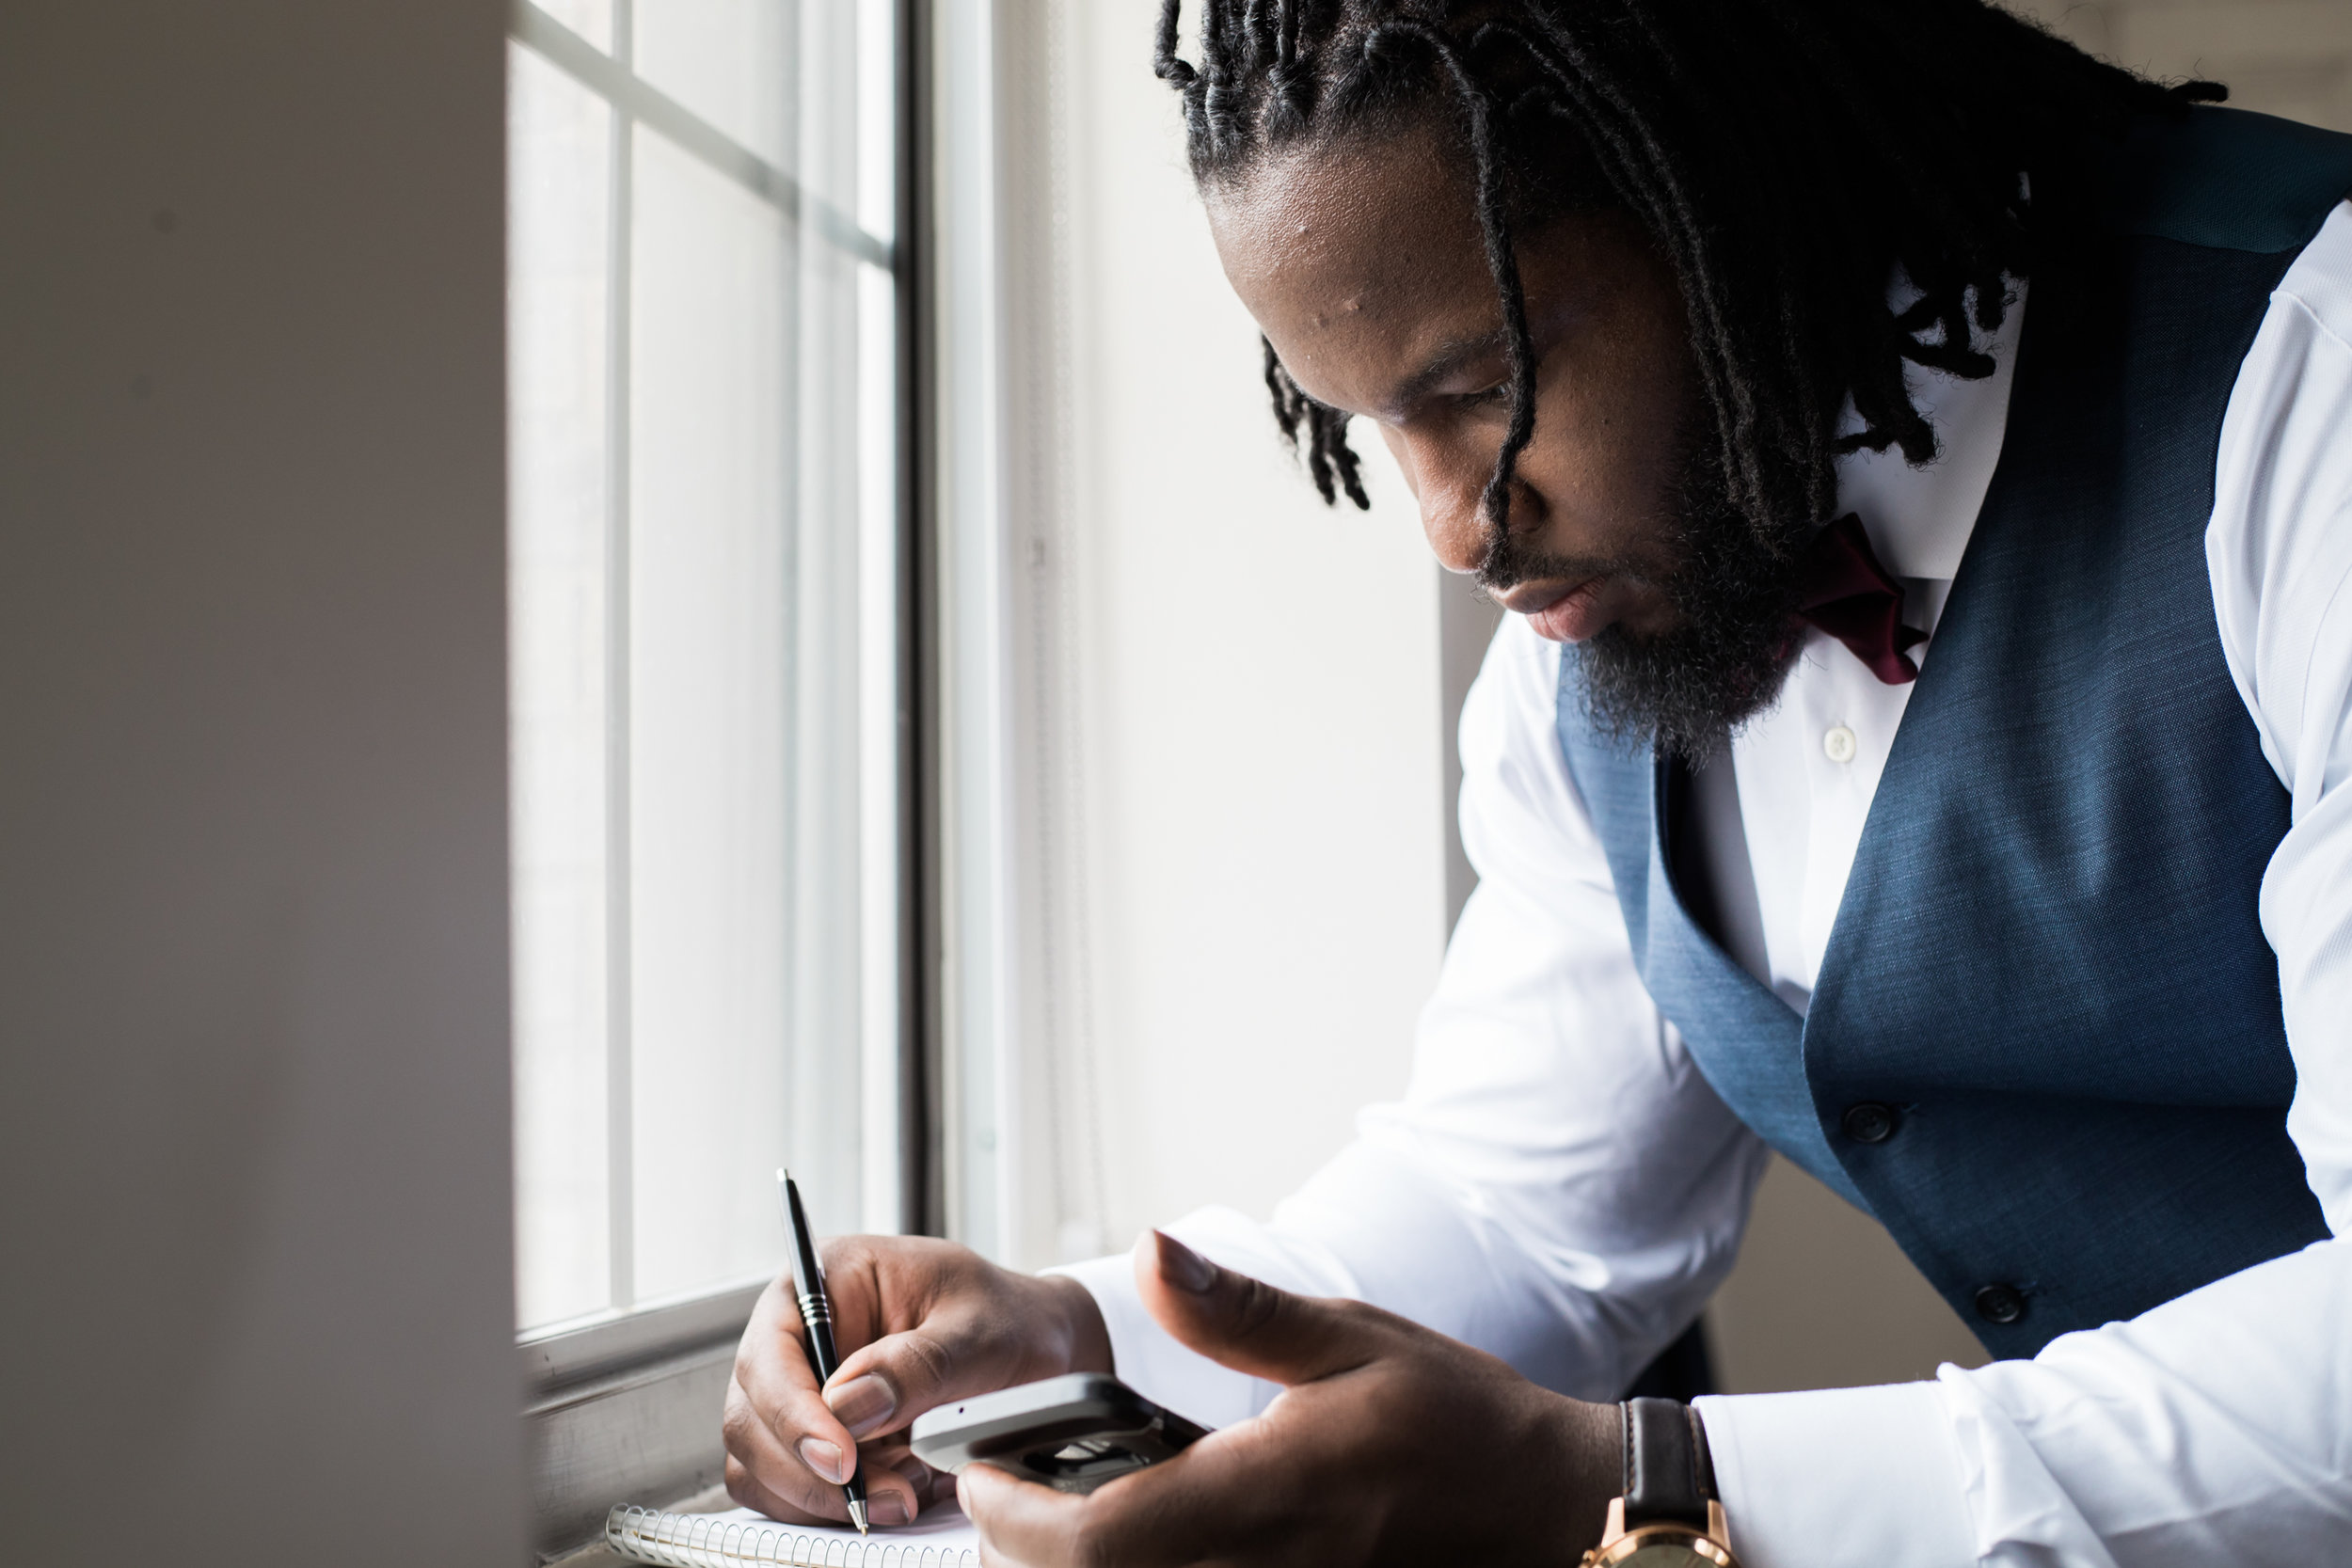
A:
857,1515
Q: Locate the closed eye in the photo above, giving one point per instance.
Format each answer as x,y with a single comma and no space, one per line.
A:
1494,396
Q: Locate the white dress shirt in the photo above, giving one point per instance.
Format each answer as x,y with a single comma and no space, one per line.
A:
1560,1186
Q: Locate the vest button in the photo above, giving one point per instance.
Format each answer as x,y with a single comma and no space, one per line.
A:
1869,1123
2000,1304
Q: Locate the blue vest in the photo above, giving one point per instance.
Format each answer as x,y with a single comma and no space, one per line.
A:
2045,1049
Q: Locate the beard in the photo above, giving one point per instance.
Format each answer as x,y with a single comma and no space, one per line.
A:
1734,638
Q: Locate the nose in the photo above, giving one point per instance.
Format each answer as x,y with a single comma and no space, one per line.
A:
1449,489
1454,517
1456,524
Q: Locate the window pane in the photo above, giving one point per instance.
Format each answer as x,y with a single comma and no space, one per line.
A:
703,662
710,583
560,145
727,60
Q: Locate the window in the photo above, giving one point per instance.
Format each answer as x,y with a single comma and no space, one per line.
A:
702,311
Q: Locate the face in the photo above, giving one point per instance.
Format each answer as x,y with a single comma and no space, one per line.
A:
1364,265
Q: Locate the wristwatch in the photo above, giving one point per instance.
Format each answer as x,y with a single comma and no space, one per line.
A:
1668,1516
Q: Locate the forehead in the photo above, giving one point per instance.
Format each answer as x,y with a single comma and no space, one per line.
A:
1360,260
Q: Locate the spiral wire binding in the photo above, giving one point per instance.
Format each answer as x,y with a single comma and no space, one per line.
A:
701,1540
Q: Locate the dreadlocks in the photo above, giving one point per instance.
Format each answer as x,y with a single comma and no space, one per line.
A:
1784,156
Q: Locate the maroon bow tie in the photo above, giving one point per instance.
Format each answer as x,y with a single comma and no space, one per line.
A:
1843,590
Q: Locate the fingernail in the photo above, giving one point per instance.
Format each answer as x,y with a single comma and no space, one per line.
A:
891,1509
824,1458
863,1403
1182,1267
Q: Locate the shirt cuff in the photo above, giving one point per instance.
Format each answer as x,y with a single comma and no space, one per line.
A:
1149,1360
1841,1478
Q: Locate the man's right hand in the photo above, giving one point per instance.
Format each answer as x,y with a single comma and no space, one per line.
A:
918,1323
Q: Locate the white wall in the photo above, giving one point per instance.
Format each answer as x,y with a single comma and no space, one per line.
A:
254,1203
1235,705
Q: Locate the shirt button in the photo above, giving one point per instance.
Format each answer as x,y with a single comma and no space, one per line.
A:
2000,1304
1839,744
1869,1123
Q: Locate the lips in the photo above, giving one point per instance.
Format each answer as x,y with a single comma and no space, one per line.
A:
1560,613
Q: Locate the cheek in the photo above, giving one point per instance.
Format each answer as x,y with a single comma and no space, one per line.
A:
1609,420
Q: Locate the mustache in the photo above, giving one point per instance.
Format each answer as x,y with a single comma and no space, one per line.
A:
1509,563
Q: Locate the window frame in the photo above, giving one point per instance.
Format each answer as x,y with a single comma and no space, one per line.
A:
625,1404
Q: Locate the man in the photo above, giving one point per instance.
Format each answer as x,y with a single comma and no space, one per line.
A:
1920,460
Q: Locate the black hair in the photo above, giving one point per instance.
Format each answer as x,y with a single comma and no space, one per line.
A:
1784,156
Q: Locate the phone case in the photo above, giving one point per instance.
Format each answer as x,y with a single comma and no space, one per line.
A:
1072,1433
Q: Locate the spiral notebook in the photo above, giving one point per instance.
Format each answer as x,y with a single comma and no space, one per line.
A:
942,1538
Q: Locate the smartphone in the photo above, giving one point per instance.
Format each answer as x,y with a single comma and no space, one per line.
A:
1072,1433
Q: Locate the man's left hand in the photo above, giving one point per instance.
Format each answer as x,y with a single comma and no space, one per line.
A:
1388,1444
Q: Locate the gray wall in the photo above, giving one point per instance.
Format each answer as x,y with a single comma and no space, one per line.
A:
254,1200
1467,620
2290,58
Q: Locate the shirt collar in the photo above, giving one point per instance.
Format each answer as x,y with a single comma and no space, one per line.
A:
1920,520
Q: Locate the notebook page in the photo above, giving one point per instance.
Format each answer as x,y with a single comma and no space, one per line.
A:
942,1538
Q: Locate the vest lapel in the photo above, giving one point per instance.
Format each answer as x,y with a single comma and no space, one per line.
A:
1747,1042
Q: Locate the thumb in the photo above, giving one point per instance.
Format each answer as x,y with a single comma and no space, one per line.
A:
882,1387
1247,1324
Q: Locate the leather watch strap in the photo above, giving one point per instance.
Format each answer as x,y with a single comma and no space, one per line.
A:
1669,1475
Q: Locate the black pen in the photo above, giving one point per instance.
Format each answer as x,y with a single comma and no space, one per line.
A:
808,1276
